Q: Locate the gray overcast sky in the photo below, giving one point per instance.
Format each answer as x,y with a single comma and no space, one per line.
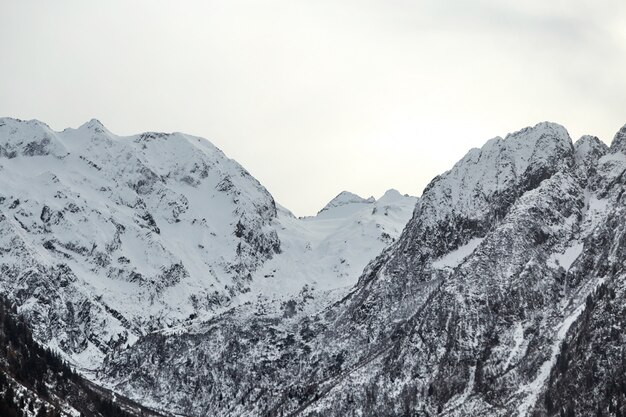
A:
314,97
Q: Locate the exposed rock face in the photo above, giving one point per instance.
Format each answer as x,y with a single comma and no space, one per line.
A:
466,314
34,381
589,374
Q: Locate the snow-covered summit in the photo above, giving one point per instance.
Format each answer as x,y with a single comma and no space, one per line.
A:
143,231
588,150
501,166
28,138
588,145
619,141
94,124
390,196
344,198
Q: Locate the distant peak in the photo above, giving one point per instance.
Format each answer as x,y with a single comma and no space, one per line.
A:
555,129
587,139
95,125
7,119
587,143
391,193
619,141
346,197
390,196
587,150
15,121
549,125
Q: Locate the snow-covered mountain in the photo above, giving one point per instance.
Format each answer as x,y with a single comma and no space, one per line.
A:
509,274
167,268
104,239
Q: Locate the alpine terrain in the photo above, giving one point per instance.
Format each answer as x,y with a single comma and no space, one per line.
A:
164,272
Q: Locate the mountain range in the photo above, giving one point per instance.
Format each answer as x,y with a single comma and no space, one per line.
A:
163,271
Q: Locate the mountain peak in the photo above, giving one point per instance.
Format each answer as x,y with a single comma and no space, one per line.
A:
346,197
28,138
588,150
531,134
541,127
619,141
390,196
15,121
484,183
587,145
94,125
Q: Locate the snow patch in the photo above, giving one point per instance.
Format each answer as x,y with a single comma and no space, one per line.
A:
518,340
567,258
454,258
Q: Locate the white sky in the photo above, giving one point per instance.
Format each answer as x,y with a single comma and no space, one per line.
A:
315,97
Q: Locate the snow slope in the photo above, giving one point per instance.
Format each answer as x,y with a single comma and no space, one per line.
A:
331,249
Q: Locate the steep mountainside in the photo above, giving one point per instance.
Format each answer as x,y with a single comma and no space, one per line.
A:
105,239
34,381
506,283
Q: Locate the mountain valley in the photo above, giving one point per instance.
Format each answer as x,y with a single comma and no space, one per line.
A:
161,270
